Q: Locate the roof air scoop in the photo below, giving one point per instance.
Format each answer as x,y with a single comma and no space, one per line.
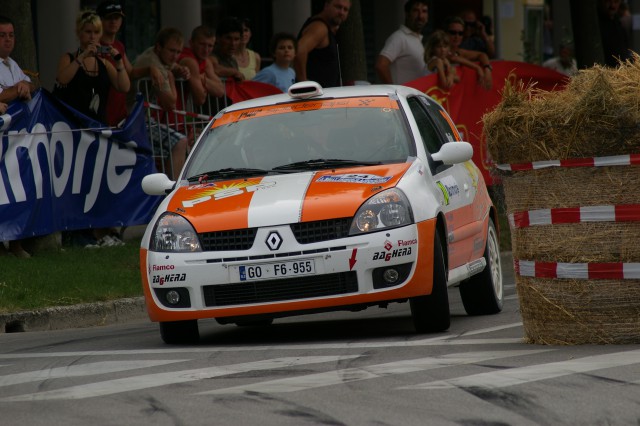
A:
305,90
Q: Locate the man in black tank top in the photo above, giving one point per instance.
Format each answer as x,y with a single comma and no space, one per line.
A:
317,54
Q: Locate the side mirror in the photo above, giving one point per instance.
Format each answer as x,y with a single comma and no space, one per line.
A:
454,153
157,184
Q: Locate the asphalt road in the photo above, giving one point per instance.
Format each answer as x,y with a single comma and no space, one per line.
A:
365,368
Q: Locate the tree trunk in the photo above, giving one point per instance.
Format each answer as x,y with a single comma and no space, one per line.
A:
24,53
586,33
353,59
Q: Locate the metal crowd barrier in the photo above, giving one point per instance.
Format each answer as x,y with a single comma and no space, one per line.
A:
184,122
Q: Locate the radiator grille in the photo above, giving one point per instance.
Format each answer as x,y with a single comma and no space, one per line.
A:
321,230
280,290
234,239
305,233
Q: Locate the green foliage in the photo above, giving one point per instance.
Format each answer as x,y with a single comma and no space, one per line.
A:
68,277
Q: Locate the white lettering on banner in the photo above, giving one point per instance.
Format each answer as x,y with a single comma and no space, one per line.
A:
21,140
120,157
111,159
66,149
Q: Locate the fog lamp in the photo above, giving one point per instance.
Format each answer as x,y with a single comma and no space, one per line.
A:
172,297
390,275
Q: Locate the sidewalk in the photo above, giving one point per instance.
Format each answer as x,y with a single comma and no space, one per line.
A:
112,312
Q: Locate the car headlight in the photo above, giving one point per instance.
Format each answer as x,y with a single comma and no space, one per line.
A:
388,209
173,233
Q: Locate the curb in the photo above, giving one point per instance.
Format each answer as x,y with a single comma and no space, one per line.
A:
75,316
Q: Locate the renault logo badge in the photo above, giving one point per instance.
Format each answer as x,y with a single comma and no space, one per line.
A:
274,240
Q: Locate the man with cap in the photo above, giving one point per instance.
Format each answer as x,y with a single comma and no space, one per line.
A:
112,15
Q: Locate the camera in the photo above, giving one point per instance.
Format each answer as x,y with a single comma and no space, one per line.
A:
103,50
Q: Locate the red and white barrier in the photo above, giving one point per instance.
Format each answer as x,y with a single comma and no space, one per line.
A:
615,160
591,271
613,213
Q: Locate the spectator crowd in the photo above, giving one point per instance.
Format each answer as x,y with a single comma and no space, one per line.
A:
99,80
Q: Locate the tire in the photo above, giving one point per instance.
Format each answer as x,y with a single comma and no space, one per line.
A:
483,293
180,332
431,313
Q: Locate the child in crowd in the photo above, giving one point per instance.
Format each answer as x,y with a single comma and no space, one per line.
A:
436,52
280,73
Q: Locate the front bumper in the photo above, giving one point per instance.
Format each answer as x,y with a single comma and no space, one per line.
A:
347,272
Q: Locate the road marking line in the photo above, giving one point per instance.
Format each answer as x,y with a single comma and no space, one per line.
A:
110,387
532,373
347,375
514,296
89,369
446,340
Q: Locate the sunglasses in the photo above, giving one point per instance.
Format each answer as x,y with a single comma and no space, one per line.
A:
456,33
88,15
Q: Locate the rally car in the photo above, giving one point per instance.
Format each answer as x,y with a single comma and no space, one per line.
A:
319,200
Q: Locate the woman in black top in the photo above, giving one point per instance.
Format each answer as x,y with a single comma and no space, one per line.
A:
85,76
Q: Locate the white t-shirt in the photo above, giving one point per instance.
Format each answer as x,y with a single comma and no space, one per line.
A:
405,51
556,64
11,74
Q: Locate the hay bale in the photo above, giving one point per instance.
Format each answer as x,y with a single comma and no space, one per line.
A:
596,242
597,115
571,312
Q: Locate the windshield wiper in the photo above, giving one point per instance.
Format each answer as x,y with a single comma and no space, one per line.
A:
324,163
227,173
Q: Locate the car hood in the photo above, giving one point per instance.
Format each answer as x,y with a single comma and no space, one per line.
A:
281,199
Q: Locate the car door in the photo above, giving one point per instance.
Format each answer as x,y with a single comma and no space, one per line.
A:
457,183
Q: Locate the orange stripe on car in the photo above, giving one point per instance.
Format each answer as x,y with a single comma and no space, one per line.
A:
265,111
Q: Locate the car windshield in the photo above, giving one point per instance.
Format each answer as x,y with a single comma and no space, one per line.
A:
307,135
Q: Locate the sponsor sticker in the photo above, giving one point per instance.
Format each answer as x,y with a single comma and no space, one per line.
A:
387,256
356,178
449,188
168,278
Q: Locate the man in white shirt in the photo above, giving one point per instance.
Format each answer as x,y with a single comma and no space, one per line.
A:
14,84
563,63
402,57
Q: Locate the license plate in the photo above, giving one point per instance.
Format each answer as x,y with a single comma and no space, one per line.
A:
287,269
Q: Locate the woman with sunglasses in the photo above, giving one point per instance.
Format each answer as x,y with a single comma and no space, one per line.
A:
85,76
479,61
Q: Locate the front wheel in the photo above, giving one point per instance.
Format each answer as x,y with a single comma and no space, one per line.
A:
180,332
483,293
431,313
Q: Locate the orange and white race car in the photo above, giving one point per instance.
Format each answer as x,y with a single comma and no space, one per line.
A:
320,200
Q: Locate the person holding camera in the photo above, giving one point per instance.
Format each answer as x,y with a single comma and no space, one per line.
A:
85,76
112,17
476,36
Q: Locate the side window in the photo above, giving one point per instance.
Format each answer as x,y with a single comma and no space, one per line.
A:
442,120
430,136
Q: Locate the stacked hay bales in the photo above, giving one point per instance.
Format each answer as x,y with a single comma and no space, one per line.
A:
573,203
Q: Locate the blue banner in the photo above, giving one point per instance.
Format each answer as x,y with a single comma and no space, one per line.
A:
60,170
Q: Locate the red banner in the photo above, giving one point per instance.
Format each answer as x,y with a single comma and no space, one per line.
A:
466,102
239,91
